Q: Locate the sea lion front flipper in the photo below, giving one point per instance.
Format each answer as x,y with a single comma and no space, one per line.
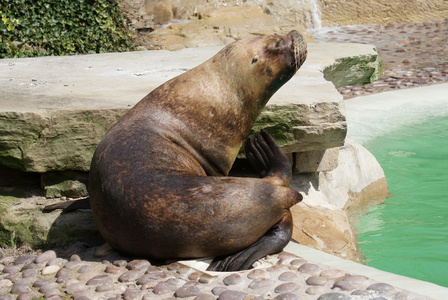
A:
268,159
272,242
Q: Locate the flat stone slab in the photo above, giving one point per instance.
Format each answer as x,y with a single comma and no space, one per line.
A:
55,110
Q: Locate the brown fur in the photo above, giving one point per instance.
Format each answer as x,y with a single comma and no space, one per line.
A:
156,182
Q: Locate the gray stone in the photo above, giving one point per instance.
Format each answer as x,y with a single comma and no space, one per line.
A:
47,286
68,183
29,266
217,290
288,276
165,287
72,264
344,285
261,283
40,282
120,263
20,288
381,287
316,281
298,262
81,295
131,294
7,260
57,262
99,279
332,274
112,269
356,279
315,290
151,277
75,287
138,264
232,295
25,296
277,269
24,259
204,297
84,269
233,279
11,269
53,297
29,273
361,69
287,296
309,268
151,297
108,286
76,257
334,296
5,283
257,274
52,292
287,287
129,276
187,291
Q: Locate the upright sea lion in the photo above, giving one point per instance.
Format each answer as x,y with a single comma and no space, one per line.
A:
158,186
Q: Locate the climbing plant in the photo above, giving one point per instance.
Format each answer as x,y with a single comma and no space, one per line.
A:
62,27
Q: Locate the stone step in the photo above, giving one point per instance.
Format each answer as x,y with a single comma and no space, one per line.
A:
55,110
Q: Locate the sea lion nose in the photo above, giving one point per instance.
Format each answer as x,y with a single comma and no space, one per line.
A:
300,47
294,34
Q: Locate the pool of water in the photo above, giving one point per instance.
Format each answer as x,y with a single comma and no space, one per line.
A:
408,234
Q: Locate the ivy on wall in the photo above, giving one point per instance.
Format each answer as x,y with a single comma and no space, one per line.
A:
62,27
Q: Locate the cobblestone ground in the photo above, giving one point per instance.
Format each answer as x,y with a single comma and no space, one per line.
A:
413,54
101,273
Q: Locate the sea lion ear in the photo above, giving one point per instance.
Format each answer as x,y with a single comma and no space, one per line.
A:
255,59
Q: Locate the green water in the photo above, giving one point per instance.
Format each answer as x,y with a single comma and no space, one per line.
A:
408,234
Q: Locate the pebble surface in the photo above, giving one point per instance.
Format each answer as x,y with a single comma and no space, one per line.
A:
413,53
88,275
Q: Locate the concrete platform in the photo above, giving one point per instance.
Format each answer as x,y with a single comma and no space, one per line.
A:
119,80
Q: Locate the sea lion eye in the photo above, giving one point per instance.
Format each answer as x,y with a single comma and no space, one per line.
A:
255,59
274,45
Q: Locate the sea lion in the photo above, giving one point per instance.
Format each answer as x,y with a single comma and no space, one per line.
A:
158,186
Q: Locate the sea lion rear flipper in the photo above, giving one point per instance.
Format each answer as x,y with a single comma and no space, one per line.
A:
68,206
272,242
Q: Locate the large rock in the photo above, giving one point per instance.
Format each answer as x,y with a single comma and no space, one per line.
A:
333,201
55,110
22,222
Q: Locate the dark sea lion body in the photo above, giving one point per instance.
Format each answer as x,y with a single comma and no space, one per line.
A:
158,186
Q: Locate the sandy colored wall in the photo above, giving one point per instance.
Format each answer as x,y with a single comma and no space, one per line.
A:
344,12
150,14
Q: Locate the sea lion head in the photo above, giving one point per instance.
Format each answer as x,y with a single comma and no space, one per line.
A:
258,67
